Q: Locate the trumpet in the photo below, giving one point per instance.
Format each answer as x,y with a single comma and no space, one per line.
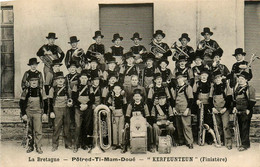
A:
204,45
102,129
174,46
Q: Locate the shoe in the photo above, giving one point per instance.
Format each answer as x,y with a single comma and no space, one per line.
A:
229,147
152,150
39,150
68,147
190,146
30,149
242,149
54,149
123,151
114,147
175,144
75,150
84,147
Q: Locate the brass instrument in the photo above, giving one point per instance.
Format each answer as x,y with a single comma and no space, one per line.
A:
157,49
202,130
252,59
218,139
99,56
102,129
78,56
236,131
47,58
174,46
27,138
203,45
211,131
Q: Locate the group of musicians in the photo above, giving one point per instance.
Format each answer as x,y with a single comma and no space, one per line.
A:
138,80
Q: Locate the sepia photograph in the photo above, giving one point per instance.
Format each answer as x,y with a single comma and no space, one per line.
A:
111,83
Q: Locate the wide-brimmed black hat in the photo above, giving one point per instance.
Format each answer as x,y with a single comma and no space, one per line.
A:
182,58
136,35
73,63
162,95
218,52
33,76
33,61
112,75
198,54
244,74
116,36
56,62
137,91
158,32
179,75
128,55
204,71
156,75
149,56
206,30
94,59
51,35
163,60
85,72
184,35
98,33
73,39
239,51
118,84
217,73
59,75
109,58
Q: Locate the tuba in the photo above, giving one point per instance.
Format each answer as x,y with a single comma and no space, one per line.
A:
78,56
102,129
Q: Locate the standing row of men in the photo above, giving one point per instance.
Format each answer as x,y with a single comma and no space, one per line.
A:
137,81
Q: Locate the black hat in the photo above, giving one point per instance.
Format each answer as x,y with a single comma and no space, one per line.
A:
98,33
137,91
95,77
94,59
33,61
109,58
136,35
116,36
162,95
59,75
33,76
158,32
179,74
156,75
239,51
73,63
56,62
206,30
244,74
112,75
198,54
182,57
85,72
118,84
128,55
184,35
51,35
163,60
218,52
149,56
204,71
217,73
73,39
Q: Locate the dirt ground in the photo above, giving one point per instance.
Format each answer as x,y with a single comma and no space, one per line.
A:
14,155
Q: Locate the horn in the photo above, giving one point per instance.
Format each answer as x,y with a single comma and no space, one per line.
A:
175,46
102,129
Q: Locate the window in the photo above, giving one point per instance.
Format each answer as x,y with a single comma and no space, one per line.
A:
7,52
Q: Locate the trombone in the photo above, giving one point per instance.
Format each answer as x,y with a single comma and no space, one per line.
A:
174,46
